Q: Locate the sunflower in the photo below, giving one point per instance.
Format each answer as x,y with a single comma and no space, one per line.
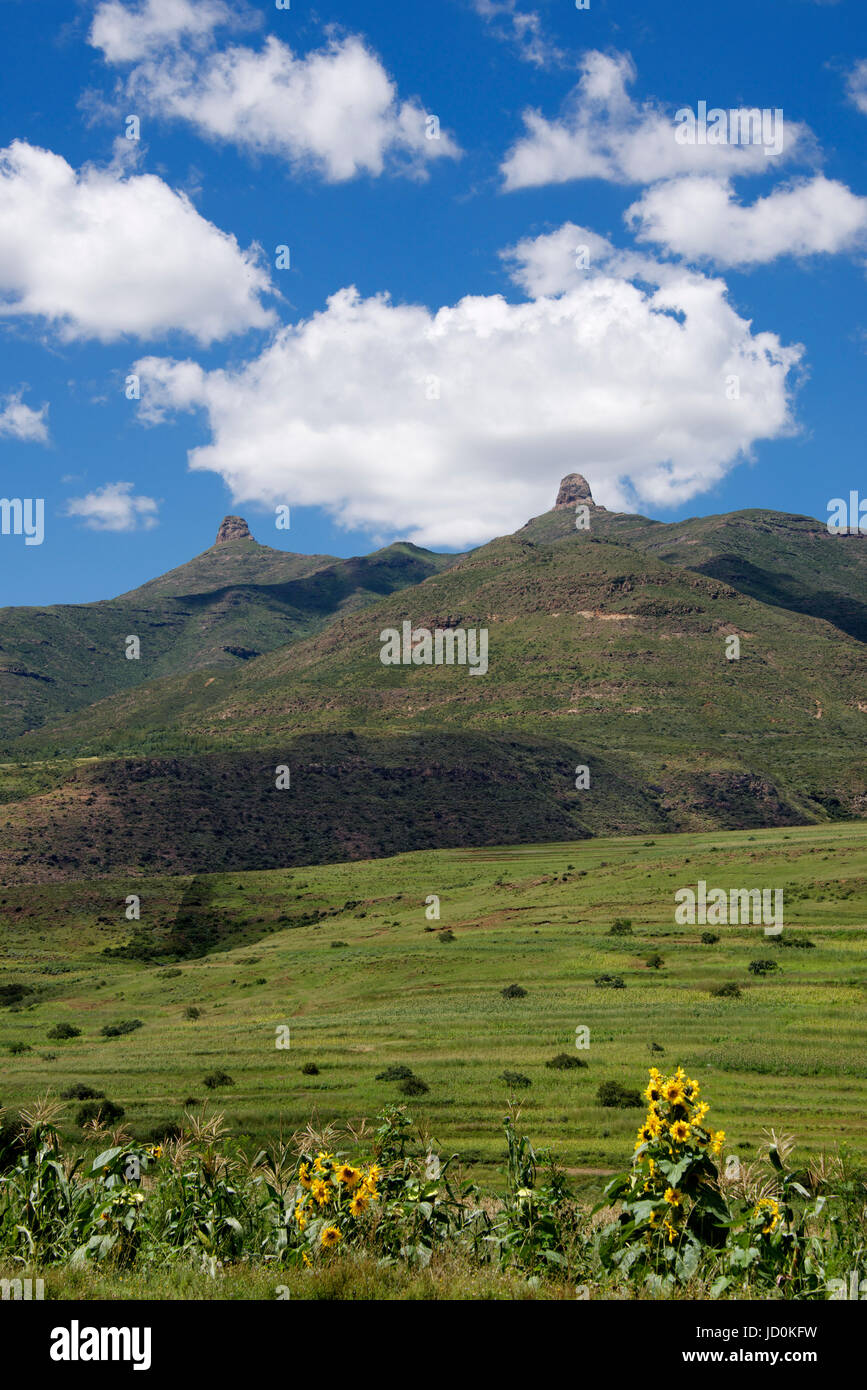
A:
348,1175
321,1192
717,1141
680,1131
671,1232
321,1161
672,1091
358,1204
673,1196
304,1175
330,1236
653,1218
300,1217
766,1206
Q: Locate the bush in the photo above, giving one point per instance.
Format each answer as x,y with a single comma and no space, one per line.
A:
61,1031
516,1079
413,1086
565,1061
338,944
106,1110
609,982
117,1030
398,1072
217,1078
447,935
310,1069
79,1090
709,938
13,994
622,926
728,991
513,992
762,967
192,1013
655,1047
655,961
16,1049
613,1096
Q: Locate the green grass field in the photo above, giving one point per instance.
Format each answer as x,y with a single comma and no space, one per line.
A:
789,1053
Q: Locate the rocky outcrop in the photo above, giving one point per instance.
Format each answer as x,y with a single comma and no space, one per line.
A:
574,488
235,528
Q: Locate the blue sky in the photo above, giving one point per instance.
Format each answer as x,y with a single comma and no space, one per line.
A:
448,411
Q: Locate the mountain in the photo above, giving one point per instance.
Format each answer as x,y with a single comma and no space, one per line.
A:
233,602
602,653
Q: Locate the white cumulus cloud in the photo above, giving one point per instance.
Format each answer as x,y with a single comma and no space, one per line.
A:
453,425
701,218
114,507
103,254
857,85
20,421
603,134
334,110
126,33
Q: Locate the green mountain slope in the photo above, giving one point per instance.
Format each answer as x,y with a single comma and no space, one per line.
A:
228,605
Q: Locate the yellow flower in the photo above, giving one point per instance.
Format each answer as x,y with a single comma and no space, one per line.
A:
348,1175
304,1175
672,1091
671,1232
358,1204
300,1217
306,1258
330,1236
373,1174
773,1211
321,1192
680,1132
673,1196
653,1091
654,1218
322,1159
717,1141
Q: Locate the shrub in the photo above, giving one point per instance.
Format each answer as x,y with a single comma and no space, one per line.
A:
727,991
192,1013
709,938
413,1086
217,1078
516,1079
762,967
117,1030
310,1069
17,1048
338,944
565,1061
397,1072
13,994
655,1047
79,1090
513,992
60,1031
171,974
654,961
105,1110
622,926
447,935
609,982
613,1096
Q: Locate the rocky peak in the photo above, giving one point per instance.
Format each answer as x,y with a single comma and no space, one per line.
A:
573,489
233,528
